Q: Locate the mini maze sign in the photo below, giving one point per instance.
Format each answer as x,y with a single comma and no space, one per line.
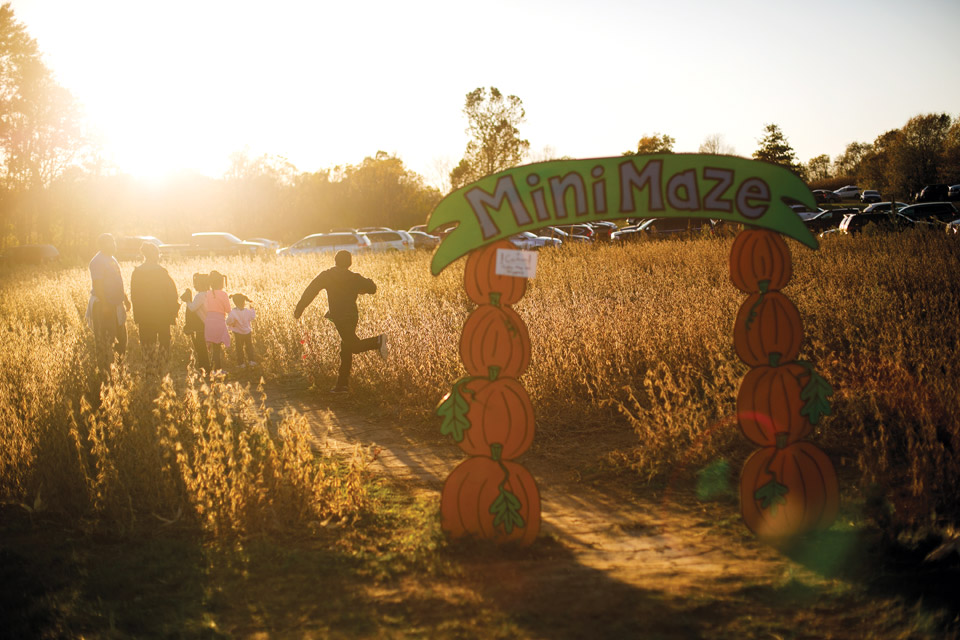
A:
787,487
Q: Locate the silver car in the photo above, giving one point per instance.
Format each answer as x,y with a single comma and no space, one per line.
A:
327,243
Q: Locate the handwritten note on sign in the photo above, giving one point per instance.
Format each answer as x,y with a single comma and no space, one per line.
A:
520,264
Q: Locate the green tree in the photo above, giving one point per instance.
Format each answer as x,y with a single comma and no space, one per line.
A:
775,149
40,134
818,168
495,143
917,157
874,167
382,192
847,164
656,143
950,168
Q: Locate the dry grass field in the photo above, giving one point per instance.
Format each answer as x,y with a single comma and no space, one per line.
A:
633,377
624,338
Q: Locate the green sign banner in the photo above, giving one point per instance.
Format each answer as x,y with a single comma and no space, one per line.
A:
563,192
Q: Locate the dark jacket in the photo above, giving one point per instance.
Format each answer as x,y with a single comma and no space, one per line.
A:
343,286
153,295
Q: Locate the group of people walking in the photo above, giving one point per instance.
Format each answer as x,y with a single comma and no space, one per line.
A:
210,321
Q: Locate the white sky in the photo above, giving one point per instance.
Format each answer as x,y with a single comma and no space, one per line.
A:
183,83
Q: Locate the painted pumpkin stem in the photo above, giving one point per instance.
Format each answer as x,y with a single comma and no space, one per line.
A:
781,440
493,372
764,286
496,450
754,310
495,298
775,358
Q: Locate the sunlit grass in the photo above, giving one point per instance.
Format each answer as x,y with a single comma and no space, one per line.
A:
635,338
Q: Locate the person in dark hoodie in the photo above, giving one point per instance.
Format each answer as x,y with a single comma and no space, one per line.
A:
343,286
153,295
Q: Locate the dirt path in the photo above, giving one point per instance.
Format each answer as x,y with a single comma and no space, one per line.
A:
621,563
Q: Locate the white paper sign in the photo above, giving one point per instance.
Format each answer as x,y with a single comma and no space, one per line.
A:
513,262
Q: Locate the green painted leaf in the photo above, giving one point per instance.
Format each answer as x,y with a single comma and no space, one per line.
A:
815,393
453,410
506,511
771,495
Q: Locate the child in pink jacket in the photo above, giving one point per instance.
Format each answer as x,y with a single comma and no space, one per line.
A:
216,306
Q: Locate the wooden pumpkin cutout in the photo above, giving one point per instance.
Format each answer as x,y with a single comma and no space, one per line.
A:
495,337
491,499
484,285
760,261
787,491
771,403
767,324
495,411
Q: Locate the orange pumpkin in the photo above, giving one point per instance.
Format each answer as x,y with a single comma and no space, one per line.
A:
766,324
788,491
769,404
495,337
484,285
491,500
500,413
760,261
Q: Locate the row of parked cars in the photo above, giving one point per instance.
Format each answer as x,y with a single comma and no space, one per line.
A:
929,193
891,216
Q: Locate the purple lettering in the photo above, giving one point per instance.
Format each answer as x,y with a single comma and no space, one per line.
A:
558,190
753,189
482,202
714,200
631,179
686,180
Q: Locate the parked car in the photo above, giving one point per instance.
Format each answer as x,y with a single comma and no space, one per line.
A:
528,240
869,196
390,240
664,228
128,247
578,230
561,235
369,229
603,229
805,213
880,207
826,220
954,226
855,222
849,192
825,196
215,243
328,243
31,254
953,193
939,211
423,240
272,246
933,193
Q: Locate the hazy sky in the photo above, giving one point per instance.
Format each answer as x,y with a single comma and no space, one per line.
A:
183,83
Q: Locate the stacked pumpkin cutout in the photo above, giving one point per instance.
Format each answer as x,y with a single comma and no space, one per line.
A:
789,486
489,415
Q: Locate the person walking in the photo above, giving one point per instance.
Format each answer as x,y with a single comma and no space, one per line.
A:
108,305
343,286
193,319
216,306
153,295
239,321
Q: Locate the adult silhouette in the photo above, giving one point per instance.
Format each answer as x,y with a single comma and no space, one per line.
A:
155,304
343,286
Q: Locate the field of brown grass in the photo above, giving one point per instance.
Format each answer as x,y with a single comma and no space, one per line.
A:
625,339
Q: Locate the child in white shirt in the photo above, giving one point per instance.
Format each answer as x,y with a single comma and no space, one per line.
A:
238,320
